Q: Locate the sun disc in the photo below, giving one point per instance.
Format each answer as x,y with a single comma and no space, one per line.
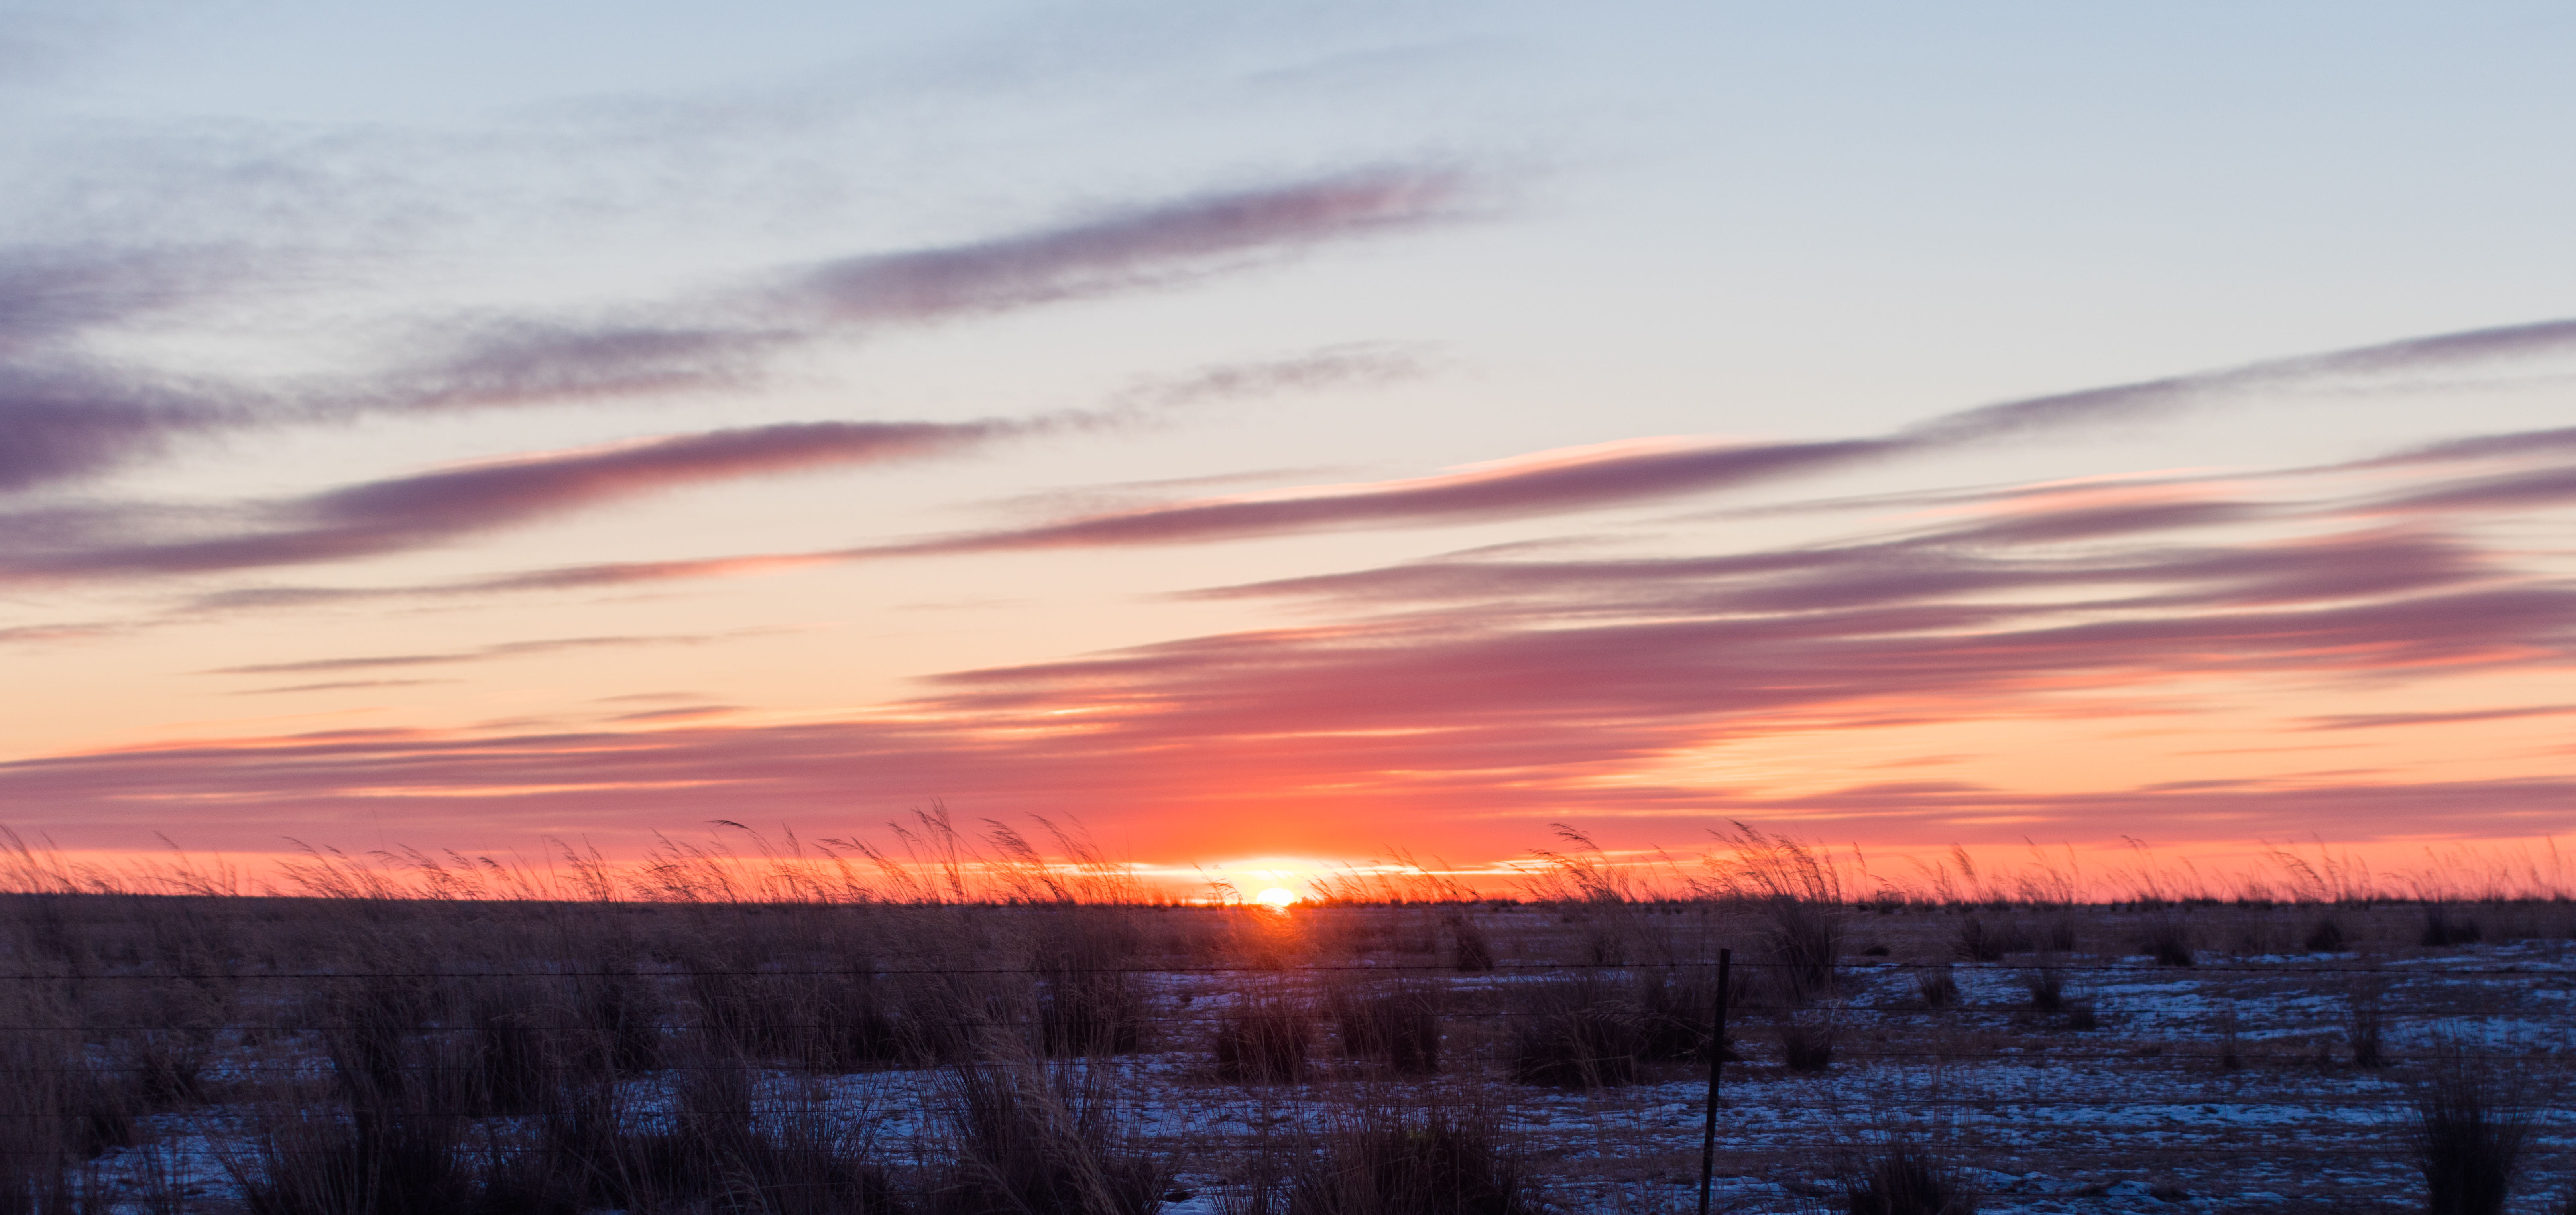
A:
1277,898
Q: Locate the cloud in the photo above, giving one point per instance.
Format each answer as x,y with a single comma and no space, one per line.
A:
1477,696
509,649
1131,248
425,508
342,685
66,413
420,509
725,338
2453,353
1624,474
1541,484
2380,721
2536,489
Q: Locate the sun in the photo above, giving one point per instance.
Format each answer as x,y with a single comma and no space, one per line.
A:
1276,898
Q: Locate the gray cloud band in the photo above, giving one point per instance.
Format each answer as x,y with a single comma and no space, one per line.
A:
65,415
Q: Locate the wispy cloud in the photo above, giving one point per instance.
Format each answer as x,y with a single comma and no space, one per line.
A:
2382,721
68,413
420,509
341,685
1487,691
507,649
424,508
1617,475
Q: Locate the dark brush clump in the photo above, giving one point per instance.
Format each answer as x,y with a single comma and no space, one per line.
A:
1383,1162
1399,1029
1086,1004
2442,929
2365,1031
2325,936
2169,941
1903,1179
324,1160
2469,1131
1806,1046
1937,987
2047,987
1975,940
1471,950
1028,1142
617,1015
1264,1042
724,1149
1575,1033
1677,1014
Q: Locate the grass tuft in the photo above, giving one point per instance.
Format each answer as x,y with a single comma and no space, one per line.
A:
1574,1033
1903,1179
1806,1046
2169,940
1264,1041
2467,1137
1034,1142
1398,1029
1378,1161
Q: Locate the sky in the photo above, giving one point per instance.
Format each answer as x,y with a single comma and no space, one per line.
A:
1272,436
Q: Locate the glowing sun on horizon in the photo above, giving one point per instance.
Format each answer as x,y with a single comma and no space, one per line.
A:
1276,898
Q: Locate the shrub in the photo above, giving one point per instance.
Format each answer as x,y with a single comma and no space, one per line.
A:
2325,936
2442,929
1798,894
2169,940
56,1111
2365,1024
1026,1142
1975,940
725,1147
617,1014
850,1022
1386,1162
2081,1015
1086,1005
2059,936
1806,1046
1572,1033
1938,987
2047,987
1089,1014
1676,1012
1264,1041
508,1063
2467,1136
1805,939
325,1159
369,1032
1471,949
1903,1179
1399,1028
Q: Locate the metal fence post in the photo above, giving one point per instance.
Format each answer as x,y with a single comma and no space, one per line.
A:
1716,1061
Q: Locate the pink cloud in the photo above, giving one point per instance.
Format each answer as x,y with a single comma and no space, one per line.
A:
1471,698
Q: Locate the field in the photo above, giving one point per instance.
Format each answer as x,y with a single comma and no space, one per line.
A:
305,1055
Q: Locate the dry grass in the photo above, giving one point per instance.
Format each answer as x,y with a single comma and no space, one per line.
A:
701,1056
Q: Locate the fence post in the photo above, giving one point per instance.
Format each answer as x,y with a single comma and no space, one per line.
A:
1716,1061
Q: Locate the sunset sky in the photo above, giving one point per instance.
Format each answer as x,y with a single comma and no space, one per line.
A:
1275,434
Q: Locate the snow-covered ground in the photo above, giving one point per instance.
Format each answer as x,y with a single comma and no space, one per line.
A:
2229,1085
